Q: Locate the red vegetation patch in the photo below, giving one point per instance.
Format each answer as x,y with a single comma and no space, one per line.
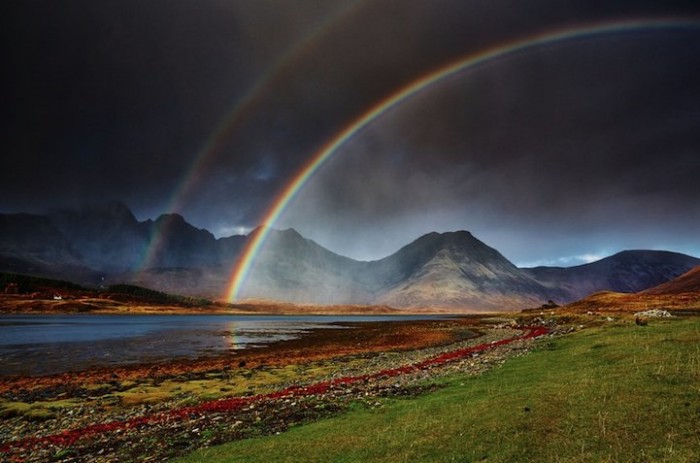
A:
319,344
69,437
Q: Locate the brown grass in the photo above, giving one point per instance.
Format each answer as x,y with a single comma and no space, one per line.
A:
622,302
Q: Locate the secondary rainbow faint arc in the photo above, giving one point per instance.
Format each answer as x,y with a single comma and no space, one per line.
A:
236,114
244,263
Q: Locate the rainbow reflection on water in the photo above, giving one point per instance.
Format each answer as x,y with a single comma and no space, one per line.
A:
38,344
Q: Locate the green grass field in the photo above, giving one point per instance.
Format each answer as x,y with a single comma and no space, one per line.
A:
620,393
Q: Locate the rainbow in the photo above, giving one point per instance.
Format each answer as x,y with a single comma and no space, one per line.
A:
471,61
238,112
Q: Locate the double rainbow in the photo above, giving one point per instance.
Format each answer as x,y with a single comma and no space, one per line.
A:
238,112
469,62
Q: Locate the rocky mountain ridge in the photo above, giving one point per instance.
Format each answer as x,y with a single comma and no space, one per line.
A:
106,244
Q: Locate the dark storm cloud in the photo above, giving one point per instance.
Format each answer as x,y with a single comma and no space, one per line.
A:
595,138
115,99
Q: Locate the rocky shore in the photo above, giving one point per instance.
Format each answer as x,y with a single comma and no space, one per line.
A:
155,412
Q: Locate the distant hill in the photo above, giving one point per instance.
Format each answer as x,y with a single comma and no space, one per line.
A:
444,270
680,294
454,270
624,272
98,241
103,244
292,268
689,282
25,293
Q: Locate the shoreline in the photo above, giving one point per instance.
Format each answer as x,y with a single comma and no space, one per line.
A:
321,343
376,361
314,342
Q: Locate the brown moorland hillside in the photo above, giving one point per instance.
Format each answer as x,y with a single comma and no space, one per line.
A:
681,293
689,282
608,301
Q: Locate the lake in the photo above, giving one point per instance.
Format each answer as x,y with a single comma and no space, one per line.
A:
47,344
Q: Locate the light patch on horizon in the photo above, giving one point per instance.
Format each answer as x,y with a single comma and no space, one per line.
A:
566,261
233,230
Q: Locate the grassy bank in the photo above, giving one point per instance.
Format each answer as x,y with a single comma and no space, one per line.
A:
609,394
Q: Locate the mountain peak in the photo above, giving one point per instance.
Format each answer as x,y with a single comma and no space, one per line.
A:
291,232
460,244
457,234
170,218
455,269
646,254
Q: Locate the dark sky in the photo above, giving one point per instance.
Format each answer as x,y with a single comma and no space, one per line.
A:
208,107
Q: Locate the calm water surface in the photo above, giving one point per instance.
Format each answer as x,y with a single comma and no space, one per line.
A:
45,344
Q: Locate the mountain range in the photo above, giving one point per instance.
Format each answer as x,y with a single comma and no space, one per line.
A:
104,243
